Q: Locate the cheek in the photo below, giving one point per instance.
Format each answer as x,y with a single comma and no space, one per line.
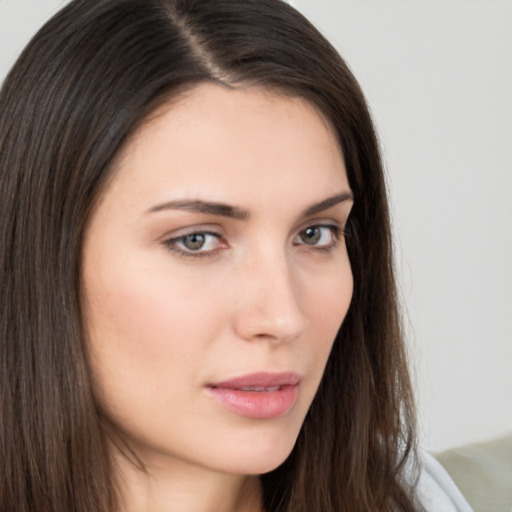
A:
327,303
330,299
146,328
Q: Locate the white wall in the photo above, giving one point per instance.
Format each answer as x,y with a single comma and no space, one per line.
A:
438,75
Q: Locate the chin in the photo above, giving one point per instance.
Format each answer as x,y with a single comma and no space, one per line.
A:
260,455
253,447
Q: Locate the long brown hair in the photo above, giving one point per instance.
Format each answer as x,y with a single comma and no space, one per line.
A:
84,83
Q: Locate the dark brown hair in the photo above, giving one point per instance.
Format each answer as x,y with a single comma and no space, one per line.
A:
84,83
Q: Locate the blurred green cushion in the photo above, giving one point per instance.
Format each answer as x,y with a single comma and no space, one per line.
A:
483,473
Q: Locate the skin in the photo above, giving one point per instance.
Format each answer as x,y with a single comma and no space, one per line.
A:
261,294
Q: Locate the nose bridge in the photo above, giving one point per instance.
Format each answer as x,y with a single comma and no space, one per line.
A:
269,302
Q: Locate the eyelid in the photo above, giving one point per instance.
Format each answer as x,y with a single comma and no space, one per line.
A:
328,222
171,242
335,229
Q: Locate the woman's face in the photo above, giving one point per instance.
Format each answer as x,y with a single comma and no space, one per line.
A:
215,278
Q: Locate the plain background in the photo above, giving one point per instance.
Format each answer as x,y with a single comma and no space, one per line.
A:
438,77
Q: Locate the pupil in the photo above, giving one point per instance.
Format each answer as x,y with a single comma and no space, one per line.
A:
194,242
311,235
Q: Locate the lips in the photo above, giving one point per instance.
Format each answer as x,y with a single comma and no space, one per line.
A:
259,395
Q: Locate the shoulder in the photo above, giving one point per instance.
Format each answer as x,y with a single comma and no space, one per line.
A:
483,472
435,490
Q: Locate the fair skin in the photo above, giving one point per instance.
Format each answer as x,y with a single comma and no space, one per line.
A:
181,294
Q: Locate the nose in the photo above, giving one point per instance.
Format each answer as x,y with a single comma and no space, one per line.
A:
269,301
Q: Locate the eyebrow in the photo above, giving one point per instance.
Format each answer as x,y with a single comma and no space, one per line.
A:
233,212
328,203
209,208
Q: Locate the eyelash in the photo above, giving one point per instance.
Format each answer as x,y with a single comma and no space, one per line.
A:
336,233
171,243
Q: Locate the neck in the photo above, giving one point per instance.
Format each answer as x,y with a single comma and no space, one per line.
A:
186,488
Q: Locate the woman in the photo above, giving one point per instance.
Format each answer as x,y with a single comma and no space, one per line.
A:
198,302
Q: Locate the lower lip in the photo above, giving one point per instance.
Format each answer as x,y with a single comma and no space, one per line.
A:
257,404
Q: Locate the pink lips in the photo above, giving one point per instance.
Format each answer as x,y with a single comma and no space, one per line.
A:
258,395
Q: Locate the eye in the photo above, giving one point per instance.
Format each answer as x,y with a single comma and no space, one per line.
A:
200,243
319,236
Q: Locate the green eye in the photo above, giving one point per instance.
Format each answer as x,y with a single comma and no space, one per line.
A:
319,236
194,242
199,243
311,236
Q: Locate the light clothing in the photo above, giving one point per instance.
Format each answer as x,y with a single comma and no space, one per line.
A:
436,491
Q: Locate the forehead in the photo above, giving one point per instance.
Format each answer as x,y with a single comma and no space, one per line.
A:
223,141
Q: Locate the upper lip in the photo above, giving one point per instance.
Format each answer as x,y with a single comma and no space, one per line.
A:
259,379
